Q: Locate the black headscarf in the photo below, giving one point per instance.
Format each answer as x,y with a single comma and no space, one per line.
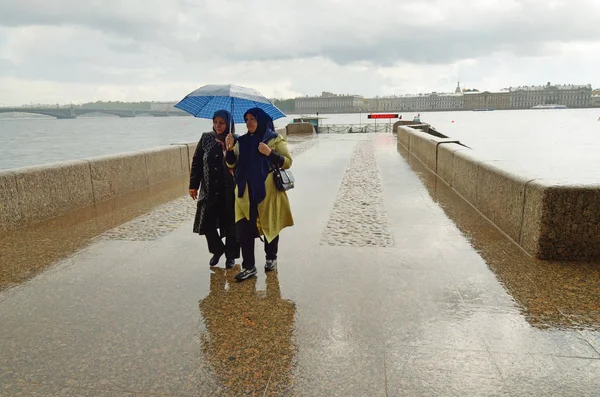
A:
252,166
225,115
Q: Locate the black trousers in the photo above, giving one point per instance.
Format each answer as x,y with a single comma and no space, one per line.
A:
246,233
231,248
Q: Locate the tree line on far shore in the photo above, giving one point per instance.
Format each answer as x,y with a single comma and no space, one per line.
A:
286,105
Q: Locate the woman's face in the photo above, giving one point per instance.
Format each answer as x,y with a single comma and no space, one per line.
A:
219,125
251,123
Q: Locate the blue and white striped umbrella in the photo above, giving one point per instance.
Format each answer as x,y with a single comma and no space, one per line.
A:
206,100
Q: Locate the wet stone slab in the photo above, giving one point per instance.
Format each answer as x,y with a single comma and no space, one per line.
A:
297,146
450,308
359,217
161,221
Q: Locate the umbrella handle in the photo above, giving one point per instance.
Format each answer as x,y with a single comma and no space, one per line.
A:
231,120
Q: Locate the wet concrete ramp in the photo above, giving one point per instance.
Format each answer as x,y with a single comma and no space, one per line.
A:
389,284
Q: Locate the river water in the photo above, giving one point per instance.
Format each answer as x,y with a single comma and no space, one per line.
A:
562,143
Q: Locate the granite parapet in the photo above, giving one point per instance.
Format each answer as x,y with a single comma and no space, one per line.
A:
561,220
49,190
300,129
118,174
10,209
551,220
32,194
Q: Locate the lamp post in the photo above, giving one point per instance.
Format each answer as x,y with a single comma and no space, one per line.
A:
360,118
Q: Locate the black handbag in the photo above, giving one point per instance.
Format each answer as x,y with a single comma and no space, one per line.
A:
284,180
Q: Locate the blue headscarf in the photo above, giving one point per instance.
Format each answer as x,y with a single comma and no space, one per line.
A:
252,166
225,115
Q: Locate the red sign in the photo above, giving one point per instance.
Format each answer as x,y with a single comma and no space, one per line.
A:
383,116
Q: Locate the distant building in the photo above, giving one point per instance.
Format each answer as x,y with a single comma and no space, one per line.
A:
500,99
475,100
432,101
446,101
525,97
164,107
331,103
486,100
385,104
572,96
415,102
595,100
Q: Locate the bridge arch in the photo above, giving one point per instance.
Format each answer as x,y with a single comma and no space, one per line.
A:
58,113
120,113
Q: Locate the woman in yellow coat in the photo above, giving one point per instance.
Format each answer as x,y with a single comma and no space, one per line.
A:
260,208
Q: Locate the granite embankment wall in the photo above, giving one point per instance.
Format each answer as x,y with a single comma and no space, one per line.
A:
550,219
33,194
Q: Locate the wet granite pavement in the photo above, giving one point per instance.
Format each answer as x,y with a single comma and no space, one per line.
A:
396,288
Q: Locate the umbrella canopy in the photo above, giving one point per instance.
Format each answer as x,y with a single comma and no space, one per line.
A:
206,100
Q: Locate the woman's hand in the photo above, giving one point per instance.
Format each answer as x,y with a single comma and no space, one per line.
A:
229,141
264,148
194,193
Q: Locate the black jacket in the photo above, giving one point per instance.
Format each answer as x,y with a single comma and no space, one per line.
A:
215,183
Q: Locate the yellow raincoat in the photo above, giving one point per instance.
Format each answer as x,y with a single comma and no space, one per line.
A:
274,212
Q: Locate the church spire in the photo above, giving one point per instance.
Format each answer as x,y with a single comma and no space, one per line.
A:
457,90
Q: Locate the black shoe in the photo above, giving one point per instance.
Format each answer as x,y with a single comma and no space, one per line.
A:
245,274
214,261
270,265
229,263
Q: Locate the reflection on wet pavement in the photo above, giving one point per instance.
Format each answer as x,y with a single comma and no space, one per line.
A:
552,294
248,341
26,252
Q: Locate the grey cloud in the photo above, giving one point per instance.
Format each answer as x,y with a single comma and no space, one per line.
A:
126,47
410,41
141,42
5,67
82,73
137,20
338,31
434,45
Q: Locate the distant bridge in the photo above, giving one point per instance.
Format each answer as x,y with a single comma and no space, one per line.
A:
71,113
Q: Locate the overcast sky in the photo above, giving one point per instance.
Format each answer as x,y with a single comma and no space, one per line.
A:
77,51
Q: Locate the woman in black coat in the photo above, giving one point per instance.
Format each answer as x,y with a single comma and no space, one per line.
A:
215,213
